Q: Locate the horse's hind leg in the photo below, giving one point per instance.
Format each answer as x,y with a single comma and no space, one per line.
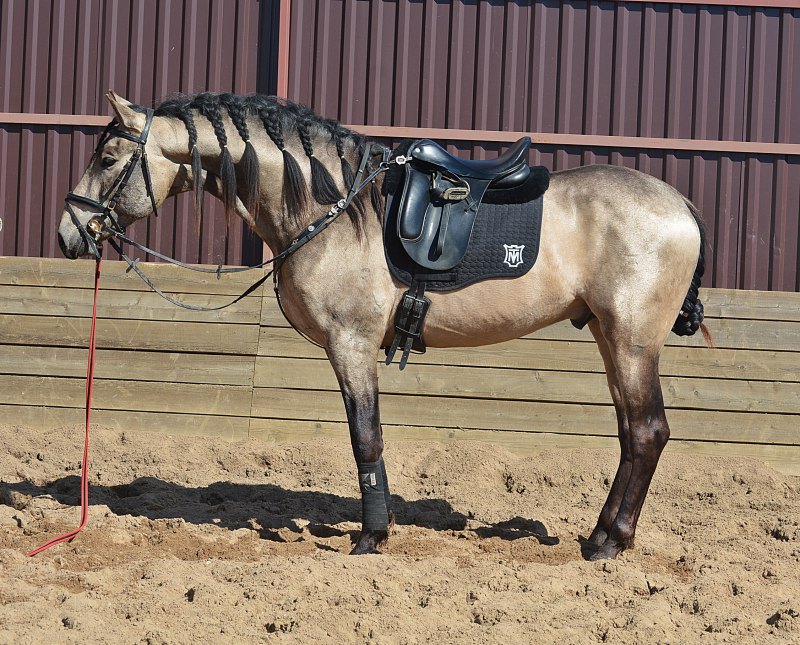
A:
647,434
356,371
614,499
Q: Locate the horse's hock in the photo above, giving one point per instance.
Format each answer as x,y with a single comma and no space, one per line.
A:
243,372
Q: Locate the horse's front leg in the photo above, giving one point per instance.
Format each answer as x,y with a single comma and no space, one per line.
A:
356,370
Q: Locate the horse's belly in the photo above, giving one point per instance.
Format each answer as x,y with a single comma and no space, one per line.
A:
498,310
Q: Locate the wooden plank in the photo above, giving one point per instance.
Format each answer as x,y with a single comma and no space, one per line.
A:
535,385
526,416
219,369
187,398
48,272
277,431
130,305
221,338
785,459
755,305
569,356
72,419
727,333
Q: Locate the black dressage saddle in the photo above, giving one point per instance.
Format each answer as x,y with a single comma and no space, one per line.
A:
451,222
441,195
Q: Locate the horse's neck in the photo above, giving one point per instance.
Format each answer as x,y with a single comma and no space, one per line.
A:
272,224
174,141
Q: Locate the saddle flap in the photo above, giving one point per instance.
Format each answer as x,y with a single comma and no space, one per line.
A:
414,202
436,214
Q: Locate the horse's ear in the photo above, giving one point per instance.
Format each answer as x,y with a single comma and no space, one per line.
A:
125,114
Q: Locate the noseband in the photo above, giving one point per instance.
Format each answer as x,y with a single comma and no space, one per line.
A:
106,205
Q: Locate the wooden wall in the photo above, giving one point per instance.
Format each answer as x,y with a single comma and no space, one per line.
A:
243,372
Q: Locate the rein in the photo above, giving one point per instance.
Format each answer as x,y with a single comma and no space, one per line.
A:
67,537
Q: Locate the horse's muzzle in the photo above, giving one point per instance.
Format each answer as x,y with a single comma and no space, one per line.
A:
70,240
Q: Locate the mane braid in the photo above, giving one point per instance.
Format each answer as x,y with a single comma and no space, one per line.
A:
209,106
294,192
323,188
177,107
356,210
248,165
197,166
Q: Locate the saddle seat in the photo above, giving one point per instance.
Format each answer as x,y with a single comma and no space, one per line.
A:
508,170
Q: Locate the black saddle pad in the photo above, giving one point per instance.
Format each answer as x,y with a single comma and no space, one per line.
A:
504,241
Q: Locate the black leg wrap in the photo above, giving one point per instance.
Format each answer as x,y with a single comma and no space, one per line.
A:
374,514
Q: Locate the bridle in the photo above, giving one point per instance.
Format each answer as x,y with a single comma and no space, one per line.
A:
107,222
106,219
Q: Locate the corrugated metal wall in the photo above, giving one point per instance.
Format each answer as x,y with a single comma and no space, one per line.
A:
635,69
623,69
59,57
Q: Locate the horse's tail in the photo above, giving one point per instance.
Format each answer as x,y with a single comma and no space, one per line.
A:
690,319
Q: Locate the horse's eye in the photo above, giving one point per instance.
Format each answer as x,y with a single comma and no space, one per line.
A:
108,162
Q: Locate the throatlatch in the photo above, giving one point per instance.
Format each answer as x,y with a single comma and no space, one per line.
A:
409,321
375,498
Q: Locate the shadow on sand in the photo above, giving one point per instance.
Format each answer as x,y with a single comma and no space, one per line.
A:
266,507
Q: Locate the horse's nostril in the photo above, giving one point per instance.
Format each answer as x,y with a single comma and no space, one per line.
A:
70,252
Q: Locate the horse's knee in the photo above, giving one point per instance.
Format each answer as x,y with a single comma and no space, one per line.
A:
650,436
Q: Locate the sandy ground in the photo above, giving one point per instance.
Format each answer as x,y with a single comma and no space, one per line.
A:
199,540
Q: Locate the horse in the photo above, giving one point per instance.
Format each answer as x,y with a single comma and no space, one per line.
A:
619,249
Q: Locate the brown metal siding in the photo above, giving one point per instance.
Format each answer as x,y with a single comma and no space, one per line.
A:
59,57
667,70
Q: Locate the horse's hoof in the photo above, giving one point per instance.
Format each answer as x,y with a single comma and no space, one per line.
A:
609,550
369,541
364,551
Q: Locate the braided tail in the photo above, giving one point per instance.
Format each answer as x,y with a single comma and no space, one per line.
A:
690,318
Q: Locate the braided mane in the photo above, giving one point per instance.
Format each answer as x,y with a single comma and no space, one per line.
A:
281,119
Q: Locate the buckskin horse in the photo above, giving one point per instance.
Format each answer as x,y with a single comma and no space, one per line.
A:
620,251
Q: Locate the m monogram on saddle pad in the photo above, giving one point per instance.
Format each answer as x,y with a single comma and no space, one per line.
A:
451,222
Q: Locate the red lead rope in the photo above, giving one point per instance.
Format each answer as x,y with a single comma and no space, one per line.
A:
85,466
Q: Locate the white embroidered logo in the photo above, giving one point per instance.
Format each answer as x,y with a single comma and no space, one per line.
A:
513,254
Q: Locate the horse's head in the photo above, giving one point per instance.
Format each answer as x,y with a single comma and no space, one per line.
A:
128,177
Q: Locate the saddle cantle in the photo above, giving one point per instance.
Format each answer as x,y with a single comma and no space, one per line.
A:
451,222
441,195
